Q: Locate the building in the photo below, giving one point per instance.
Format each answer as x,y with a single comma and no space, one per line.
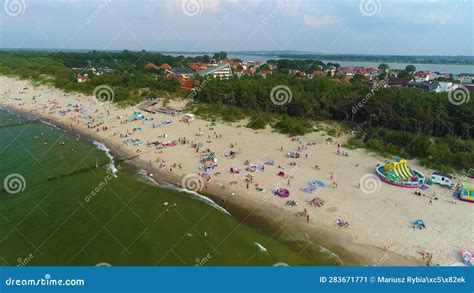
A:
222,71
181,72
397,82
421,76
446,86
264,73
82,77
199,66
426,85
165,66
150,65
466,77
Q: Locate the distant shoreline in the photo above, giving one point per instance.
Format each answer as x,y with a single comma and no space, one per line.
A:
358,58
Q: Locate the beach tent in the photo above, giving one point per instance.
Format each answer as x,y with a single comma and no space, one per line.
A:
282,192
309,188
281,174
255,167
318,183
137,115
419,224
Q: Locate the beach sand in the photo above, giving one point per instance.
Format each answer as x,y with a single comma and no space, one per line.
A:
379,214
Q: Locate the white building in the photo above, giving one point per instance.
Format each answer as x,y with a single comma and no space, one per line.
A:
222,71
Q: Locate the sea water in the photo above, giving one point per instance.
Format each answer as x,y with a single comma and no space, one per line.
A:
68,201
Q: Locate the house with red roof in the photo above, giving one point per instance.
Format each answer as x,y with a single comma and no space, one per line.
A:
185,83
318,74
165,66
421,76
150,65
199,66
264,73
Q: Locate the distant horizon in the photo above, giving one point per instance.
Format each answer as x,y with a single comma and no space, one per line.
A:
243,52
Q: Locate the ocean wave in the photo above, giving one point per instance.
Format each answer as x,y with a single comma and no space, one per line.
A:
194,195
261,247
111,167
330,253
50,124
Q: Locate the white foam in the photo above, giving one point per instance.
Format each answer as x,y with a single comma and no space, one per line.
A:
261,247
194,195
111,167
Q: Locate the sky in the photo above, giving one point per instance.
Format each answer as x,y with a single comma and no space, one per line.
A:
390,27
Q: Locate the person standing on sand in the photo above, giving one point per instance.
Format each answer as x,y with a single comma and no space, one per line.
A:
307,218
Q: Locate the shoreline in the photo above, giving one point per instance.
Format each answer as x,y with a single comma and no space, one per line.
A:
327,240
352,249
243,206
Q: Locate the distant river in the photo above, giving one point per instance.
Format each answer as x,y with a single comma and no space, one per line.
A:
443,68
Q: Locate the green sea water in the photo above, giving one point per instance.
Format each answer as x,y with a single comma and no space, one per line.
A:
128,220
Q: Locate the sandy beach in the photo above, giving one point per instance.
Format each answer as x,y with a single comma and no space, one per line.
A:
379,215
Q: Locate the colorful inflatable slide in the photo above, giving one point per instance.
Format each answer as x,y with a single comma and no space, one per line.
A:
399,174
465,194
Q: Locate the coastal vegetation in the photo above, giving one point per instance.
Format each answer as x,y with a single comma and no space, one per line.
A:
411,123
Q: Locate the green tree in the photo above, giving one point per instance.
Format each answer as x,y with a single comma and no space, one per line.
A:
405,75
410,68
383,67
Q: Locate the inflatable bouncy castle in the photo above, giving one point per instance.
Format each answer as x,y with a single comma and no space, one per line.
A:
398,173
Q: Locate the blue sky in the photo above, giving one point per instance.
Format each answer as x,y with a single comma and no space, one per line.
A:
406,27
